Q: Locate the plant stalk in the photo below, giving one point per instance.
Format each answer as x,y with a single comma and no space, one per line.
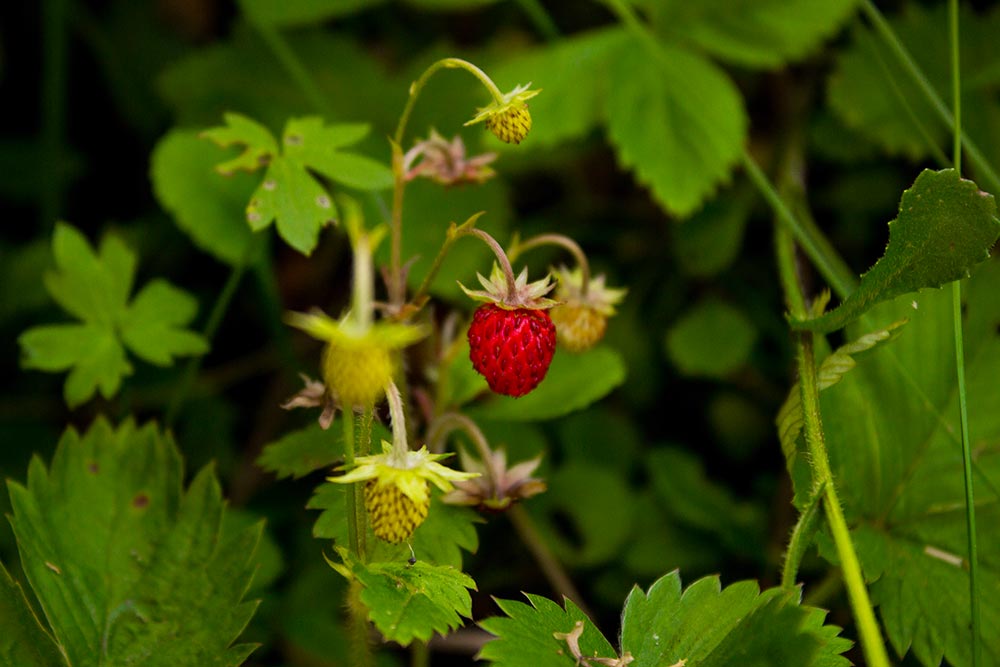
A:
293,65
560,240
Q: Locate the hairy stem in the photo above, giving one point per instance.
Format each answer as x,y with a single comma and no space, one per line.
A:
956,311
559,240
508,270
355,519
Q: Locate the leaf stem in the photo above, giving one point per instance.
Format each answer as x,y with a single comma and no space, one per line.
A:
540,18
450,238
819,461
981,164
502,259
801,538
293,65
956,311
560,240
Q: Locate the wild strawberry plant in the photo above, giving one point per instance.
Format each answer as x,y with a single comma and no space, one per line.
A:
600,420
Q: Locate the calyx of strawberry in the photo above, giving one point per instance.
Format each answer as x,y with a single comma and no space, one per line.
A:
598,296
500,290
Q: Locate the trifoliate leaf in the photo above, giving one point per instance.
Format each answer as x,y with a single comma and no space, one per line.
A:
708,625
677,121
290,195
206,206
95,288
893,434
946,225
665,627
874,94
128,566
407,602
301,452
525,636
754,33
712,339
570,106
573,382
25,642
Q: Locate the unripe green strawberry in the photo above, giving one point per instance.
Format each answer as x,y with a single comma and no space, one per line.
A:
578,327
511,348
507,116
357,370
393,514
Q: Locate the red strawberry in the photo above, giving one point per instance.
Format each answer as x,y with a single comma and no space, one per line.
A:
512,338
513,348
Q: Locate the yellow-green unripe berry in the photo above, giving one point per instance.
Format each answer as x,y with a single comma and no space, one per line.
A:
357,371
512,124
393,514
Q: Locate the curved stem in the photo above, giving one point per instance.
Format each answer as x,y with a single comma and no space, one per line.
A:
454,421
801,538
559,240
508,270
450,238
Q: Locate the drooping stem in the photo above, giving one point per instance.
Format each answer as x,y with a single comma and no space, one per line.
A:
508,270
956,310
454,421
450,237
819,461
400,448
551,567
559,240
396,287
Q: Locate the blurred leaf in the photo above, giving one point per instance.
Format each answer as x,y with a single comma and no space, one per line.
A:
755,33
297,12
299,453
407,602
142,576
449,5
893,436
573,382
593,505
569,106
709,242
712,339
22,268
709,625
26,168
601,436
677,121
946,225
25,643
524,636
269,560
312,614
868,87
207,206
95,288
460,383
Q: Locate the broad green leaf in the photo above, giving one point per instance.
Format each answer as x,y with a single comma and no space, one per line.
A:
569,106
598,505
152,327
709,242
21,269
299,453
677,121
872,93
754,33
712,339
299,12
294,199
95,288
407,602
24,642
259,145
711,626
317,146
893,435
128,566
573,382
524,636
946,225
207,206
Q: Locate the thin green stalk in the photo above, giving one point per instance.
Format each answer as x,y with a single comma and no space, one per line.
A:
816,246
801,538
293,65
976,157
540,19
55,44
956,310
420,654
355,507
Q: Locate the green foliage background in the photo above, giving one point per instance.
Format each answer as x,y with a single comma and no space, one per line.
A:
660,448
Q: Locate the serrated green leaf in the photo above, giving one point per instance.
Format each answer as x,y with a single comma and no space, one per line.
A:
708,625
573,382
677,121
946,225
570,106
24,643
873,93
208,207
892,432
317,146
128,567
299,453
259,145
712,339
755,33
152,327
407,602
525,634
300,12
95,288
